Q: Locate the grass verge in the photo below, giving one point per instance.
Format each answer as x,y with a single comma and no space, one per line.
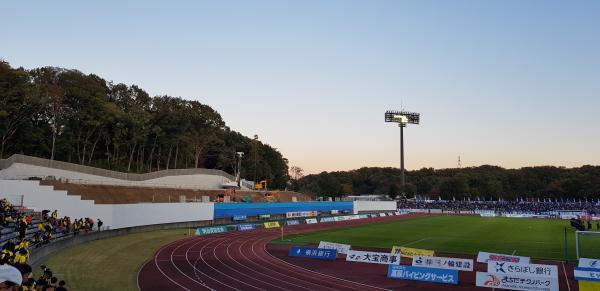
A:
108,264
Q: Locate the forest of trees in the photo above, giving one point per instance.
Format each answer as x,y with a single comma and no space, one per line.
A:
63,114
485,182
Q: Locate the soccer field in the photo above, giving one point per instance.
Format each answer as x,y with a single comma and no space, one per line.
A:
537,238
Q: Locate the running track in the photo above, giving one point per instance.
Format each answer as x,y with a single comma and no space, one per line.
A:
245,261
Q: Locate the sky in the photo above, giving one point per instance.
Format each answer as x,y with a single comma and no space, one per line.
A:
507,83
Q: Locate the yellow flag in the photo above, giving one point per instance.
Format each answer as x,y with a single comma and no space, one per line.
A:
410,252
271,224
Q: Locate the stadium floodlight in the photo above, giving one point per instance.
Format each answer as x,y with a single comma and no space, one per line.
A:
402,118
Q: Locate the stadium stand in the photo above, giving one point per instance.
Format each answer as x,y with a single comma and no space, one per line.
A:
22,230
533,207
111,194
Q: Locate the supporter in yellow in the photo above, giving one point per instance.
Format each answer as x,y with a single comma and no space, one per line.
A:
24,244
21,256
5,256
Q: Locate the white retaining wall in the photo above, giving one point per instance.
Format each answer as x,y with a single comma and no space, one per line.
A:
40,197
196,181
374,206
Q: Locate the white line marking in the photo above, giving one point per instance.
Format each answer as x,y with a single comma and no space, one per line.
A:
416,241
566,278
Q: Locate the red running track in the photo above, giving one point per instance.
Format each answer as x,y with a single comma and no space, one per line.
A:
246,261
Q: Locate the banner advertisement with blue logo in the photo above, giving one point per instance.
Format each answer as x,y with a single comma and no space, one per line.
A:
210,230
245,227
550,271
423,274
328,219
311,220
587,274
589,263
340,248
443,263
313,253
239,217
515,282
293,222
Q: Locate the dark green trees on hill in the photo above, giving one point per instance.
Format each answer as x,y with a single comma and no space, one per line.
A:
69,116
485,182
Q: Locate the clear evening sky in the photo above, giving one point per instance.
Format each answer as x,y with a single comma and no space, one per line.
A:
507,83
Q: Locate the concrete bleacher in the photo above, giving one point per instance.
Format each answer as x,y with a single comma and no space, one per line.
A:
111,194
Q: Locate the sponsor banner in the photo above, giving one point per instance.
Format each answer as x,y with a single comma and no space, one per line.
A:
487,214
587,274
271,224
335,211
589,263
341,248
211,230
381,214
264,216
363,216
484,257
443,263
516,282
293,222
245,227
518,215
328,219
538,270
410,252
295,214
239,217
374,215
390,214
311,220
372,257
313,253
423,274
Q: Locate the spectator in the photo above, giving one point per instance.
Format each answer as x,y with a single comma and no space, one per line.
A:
100,223
25,271
10,278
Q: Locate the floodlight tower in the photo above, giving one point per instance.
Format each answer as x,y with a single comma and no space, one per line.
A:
402,118
238,168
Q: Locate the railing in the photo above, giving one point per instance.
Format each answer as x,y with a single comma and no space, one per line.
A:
16,158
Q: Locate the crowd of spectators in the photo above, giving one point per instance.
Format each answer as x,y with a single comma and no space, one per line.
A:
592,208
25,230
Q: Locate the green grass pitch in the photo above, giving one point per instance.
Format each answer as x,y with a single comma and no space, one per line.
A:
537,238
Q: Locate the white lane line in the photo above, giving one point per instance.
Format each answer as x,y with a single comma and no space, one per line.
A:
175,265
416,241
566,278
250,271
200,257
161,271
321,274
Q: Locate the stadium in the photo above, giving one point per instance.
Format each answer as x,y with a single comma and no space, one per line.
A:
188,245
299,145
